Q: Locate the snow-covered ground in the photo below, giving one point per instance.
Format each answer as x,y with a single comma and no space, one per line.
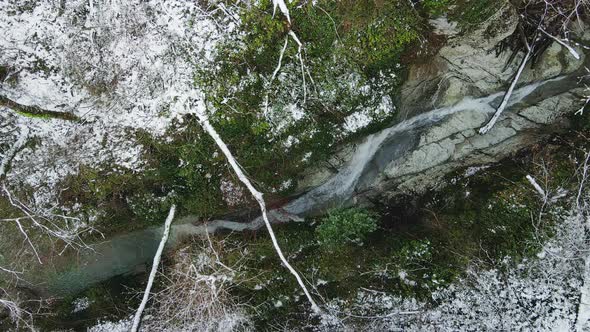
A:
120,66
128,66
540,294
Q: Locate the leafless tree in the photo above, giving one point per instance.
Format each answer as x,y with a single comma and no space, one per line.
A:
32,221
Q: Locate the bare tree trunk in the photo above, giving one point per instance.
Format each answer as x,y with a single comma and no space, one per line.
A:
583,315
258,196
507,96
283,7
36,110
537,187
157,257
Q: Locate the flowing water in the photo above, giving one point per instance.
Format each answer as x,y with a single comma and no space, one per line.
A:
124,254
379,149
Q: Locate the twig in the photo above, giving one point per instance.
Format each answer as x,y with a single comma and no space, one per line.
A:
274,74
569,48
300,54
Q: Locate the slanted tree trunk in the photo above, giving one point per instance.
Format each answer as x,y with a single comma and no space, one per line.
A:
157,257
36,110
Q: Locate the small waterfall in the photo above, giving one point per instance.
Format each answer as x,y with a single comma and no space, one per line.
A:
339,188
124,253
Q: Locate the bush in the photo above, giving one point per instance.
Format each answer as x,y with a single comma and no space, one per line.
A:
343,226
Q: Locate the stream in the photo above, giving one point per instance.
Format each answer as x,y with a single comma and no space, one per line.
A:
128,253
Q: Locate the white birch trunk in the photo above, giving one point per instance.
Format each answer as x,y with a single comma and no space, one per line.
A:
157,257
258,196
537,187
283,7
504,103
583,316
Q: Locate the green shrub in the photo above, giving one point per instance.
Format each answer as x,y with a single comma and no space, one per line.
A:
343,226
435,7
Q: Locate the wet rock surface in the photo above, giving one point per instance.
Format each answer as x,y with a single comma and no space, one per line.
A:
444,102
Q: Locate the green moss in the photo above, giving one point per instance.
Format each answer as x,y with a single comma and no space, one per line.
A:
470,13
108,301
33,111
122,200
35,116
345,226
378,32
482,218
421,244
352,50
351,55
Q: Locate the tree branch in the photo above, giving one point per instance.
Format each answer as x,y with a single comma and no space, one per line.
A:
9,155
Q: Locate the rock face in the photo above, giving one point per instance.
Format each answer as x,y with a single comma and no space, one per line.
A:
469,66
455,143
455,84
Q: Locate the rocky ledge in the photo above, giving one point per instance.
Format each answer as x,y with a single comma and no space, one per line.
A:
444,103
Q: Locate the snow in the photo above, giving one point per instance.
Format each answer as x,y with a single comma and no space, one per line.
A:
284,117
233,194
13,149
81,304
361,119
403,276
125,66
470,171
541,294
321,282
290,141
356,121
120,326
120,66
442,26
286,185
